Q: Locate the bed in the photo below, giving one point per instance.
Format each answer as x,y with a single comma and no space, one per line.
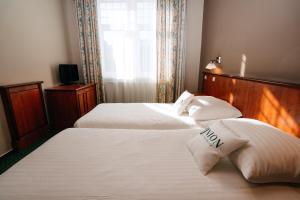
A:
136,116
117,164
196,112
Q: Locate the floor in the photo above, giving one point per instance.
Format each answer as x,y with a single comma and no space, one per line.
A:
9,159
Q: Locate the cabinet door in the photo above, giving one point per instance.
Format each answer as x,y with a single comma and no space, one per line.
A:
81,103
62,109
90,99
86,100
28,110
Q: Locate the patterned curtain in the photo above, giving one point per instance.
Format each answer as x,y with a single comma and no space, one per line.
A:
170,49
89,44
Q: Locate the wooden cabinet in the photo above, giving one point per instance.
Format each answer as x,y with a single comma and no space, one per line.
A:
25,112
67,103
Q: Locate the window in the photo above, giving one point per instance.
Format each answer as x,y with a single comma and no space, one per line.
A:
127,31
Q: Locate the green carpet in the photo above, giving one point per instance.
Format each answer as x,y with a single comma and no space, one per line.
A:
9,159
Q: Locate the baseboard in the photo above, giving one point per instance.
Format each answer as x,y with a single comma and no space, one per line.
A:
8,152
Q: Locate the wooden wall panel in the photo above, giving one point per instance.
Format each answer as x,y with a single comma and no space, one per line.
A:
275,103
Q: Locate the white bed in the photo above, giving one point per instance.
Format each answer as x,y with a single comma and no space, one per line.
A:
156,116
90,164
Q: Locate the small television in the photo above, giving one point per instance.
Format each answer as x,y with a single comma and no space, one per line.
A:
68,73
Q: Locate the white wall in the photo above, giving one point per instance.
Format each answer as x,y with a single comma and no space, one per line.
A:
32,44
258,38
72,36
193,43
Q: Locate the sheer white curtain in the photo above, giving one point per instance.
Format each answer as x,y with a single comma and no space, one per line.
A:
128,49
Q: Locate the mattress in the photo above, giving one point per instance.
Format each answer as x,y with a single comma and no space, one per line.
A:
90,164
156,116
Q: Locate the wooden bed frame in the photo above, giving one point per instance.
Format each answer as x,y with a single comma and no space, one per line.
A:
273,102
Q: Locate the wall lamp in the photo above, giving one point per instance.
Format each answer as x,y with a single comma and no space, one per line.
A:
213,63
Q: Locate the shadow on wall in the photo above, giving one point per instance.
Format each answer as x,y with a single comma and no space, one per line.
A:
54,73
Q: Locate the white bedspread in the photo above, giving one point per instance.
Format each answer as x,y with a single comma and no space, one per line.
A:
90,164
135,116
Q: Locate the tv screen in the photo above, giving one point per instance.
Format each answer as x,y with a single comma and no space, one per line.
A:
68,73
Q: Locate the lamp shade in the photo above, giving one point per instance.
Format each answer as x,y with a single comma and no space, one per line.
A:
211,65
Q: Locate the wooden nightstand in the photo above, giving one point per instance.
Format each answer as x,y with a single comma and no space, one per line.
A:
67,103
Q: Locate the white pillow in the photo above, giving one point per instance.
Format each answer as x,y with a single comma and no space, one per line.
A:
210,108
270,156
212,144
183,101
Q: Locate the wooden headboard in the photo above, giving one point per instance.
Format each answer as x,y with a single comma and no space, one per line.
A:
275,103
